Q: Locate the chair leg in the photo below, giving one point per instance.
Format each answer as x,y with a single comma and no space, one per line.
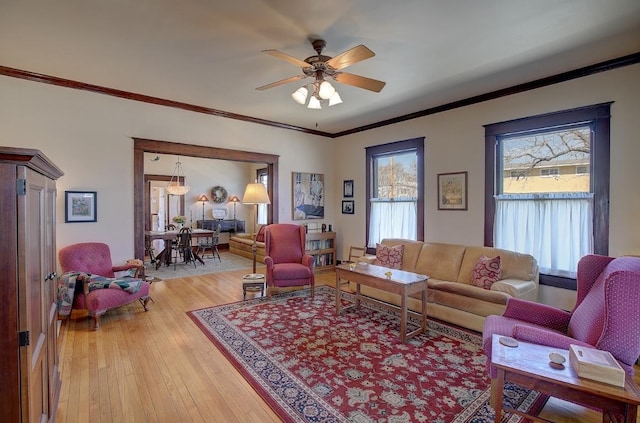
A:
144,302
96,321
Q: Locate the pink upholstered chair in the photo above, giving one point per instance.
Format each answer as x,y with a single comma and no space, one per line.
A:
605,315
95,258
285,258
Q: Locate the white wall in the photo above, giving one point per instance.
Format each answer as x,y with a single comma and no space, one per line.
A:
454,141
89,136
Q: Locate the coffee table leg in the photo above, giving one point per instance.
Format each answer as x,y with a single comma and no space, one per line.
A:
338,292
424,311
403,317
497,392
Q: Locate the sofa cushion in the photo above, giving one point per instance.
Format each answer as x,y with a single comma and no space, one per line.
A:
410,254
390,257
513,265
486,272
439,261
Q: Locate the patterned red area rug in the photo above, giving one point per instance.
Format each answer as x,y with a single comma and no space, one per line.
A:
310,365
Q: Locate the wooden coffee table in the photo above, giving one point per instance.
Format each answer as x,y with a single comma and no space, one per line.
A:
528,365
400,282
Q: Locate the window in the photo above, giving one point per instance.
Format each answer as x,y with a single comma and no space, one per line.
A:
395,204
554,171
552,212
581,170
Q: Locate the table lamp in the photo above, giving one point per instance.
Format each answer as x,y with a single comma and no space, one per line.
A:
234,199
204,199
255,193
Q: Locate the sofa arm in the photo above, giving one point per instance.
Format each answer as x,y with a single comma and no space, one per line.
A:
538,314
369,259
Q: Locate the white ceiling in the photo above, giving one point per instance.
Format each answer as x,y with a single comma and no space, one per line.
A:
208,53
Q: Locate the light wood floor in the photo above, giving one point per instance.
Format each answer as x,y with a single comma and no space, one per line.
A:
159,367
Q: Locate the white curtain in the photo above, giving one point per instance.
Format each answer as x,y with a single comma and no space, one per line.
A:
392,219
557,229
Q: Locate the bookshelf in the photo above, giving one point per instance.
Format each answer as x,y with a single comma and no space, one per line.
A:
322,245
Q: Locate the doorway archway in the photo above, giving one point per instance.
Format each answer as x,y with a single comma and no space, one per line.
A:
141,146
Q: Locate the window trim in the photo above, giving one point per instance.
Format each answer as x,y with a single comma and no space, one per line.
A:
598,116
413,144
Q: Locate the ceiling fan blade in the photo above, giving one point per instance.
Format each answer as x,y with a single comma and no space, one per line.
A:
351,56
280,55
359,81
284,81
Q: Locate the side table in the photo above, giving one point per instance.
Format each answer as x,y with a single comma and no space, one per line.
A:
528,365
253,282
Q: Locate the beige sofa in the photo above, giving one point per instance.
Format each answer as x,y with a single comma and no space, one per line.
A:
242,245
450,294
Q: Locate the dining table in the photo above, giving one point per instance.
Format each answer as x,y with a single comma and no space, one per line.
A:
168,237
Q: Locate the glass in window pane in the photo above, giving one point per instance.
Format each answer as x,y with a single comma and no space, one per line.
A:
536,157
395,176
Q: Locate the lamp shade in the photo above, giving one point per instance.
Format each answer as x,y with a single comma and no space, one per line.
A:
203,198
326,90
300,95
174,187
256,193
335,99
234,199
314,103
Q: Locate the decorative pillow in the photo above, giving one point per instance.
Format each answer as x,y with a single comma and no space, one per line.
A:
260,235
389,256
486,272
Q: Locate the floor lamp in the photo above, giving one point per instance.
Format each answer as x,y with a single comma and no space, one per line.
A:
254,194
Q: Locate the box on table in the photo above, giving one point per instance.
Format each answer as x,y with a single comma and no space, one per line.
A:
595,364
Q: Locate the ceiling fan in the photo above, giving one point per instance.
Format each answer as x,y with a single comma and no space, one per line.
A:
321,67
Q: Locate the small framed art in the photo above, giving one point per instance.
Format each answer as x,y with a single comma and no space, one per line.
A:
452,191
347,188
347,207
80,206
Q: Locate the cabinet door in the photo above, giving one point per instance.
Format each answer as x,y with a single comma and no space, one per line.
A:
34,306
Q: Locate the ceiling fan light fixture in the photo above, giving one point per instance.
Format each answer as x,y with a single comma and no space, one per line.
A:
326,90
335,99
314,103
300,95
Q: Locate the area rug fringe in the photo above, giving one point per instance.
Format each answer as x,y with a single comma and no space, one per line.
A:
311,366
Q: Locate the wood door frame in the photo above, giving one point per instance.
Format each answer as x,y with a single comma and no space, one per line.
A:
147,196
142,145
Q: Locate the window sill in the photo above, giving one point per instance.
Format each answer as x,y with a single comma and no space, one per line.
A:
558,281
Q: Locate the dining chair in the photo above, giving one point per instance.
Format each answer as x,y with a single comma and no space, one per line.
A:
211,244
182,247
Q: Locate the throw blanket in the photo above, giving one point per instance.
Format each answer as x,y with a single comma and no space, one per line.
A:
67,287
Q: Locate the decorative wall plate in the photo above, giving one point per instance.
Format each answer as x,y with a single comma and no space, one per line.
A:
218,194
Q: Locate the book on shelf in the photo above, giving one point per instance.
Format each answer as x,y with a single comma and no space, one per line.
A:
594,364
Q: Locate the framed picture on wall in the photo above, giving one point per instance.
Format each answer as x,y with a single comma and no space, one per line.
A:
452,191
348,207
307,195
80,206
347,188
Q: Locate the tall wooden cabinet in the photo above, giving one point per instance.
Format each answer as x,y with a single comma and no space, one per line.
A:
29,357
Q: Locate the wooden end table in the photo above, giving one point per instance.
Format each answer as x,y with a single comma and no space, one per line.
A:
400,282
528,365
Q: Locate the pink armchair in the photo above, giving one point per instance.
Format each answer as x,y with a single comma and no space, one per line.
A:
285,258
605,315
95,258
